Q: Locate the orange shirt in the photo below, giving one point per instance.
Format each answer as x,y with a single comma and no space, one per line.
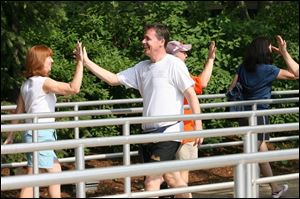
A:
189,124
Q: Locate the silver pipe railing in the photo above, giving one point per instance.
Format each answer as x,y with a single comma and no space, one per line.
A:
143,138
138,100
140,120
189,135
67,177
137,110
204,133
135,153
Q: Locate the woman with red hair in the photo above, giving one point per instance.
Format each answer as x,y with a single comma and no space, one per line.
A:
37,95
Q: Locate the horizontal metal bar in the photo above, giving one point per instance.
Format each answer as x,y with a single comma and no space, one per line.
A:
139,120
138,100
174,191
68,177
136,110
144,138
135,153
291,176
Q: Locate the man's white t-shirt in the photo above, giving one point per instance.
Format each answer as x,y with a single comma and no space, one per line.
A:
161,85
35,98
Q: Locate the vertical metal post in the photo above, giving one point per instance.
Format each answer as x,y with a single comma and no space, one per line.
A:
248,175
35,159
126,159
239,181
254,166
251,147
80,164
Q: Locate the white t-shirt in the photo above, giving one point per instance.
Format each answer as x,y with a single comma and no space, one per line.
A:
35,98
161,85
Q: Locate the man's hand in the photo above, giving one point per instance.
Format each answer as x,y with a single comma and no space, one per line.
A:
198,142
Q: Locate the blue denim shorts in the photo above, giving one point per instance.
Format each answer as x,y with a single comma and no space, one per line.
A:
45,158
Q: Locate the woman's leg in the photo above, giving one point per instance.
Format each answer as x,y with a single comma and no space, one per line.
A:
266,169
27,192
54,190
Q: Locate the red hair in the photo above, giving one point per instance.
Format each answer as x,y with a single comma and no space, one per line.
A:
35,60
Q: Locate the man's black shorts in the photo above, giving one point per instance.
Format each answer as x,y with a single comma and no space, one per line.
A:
159,151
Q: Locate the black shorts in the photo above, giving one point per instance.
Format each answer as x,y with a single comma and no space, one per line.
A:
159,151
261,120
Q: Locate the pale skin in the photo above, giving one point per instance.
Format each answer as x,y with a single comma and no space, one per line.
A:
153,48
204,76
51,86
293,68
291,74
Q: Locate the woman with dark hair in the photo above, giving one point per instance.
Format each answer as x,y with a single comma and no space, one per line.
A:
256,75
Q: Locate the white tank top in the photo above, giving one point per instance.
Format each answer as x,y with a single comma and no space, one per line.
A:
35,98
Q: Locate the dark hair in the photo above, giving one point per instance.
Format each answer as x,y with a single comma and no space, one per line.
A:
258,52
161,31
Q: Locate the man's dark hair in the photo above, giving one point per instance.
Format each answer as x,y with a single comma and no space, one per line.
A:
258,52
161,31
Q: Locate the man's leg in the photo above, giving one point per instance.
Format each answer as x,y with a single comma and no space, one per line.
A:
175,180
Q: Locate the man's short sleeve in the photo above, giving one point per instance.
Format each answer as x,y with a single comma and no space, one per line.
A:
128,78
182,78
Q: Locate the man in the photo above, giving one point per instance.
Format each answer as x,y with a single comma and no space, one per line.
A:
188,149
163,82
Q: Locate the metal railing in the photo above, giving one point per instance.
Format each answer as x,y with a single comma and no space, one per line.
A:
80,158
126,139
79,113
135,153
237,160
137,100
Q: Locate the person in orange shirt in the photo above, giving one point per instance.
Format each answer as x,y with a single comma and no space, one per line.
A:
188,149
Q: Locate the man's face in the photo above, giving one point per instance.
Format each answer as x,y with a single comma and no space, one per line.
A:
151,43
181,55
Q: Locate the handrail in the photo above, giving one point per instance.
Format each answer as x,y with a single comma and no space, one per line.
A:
144,138
135,153
67,177
247,131
136,110
125,140
139,120
138,100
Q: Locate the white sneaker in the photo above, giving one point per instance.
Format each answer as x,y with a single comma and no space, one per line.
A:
279,193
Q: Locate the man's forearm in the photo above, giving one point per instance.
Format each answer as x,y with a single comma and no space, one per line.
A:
102,73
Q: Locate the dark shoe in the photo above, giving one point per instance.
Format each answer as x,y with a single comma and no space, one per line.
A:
164,185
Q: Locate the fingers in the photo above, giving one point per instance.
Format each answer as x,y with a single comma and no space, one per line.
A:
281,45
212,50
279,39
78,52
275,49
198,142
79,47
212,44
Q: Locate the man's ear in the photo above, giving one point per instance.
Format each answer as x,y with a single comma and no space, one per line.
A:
163,42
